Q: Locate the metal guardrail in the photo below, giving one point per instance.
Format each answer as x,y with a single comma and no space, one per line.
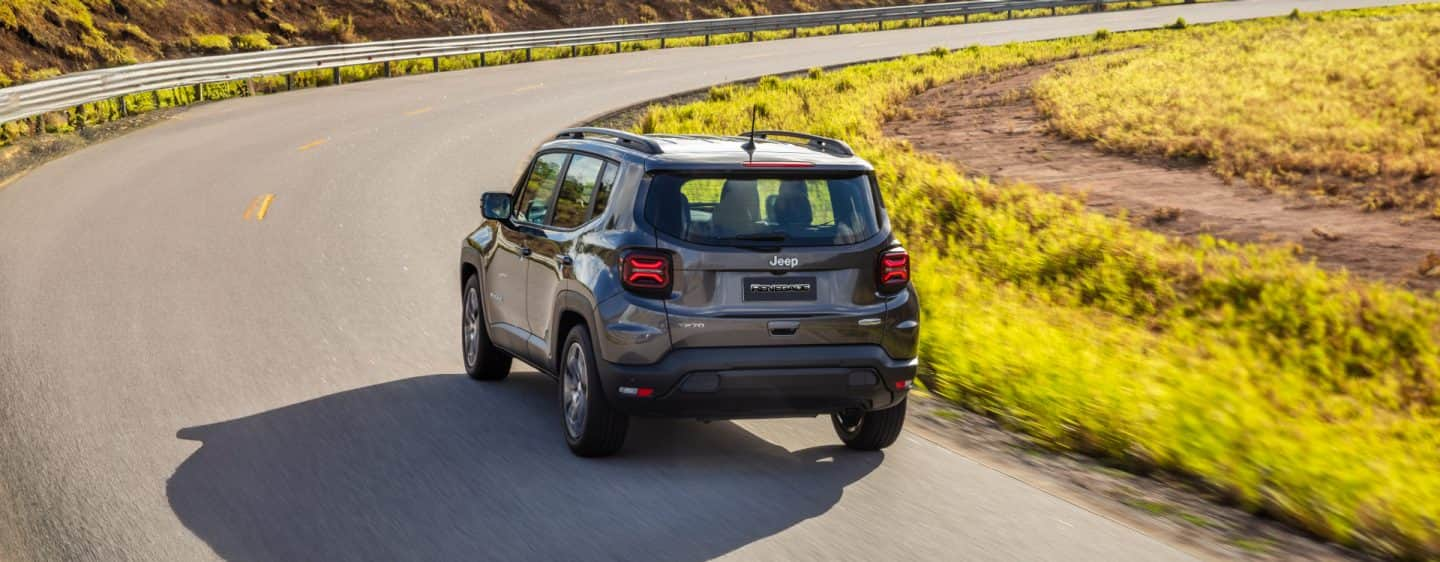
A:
71,90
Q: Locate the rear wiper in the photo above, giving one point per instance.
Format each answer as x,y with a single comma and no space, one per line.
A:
760,236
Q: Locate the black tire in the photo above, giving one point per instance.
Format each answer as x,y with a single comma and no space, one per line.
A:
483,361
596,429
871,431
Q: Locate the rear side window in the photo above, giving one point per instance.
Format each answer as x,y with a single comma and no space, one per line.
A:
572,207
607,183
534,204
766,211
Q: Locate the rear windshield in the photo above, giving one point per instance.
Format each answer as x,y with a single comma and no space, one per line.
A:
763,211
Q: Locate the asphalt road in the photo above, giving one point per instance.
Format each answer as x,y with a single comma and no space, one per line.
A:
179,382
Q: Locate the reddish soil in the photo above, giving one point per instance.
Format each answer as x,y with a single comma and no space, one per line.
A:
989,126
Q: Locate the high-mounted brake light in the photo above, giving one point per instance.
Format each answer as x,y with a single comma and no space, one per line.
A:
753,164
646,272
893,272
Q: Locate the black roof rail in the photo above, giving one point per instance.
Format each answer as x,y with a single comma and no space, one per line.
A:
823,144
622,138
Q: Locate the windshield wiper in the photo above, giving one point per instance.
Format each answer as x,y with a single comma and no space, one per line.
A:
759,236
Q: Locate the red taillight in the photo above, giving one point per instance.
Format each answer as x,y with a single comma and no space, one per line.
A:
646,272
894,271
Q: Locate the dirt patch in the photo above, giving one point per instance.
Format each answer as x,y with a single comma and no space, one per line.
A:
1175,511
989,126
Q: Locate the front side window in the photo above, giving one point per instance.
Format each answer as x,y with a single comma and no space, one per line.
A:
534,203
572,206
790,210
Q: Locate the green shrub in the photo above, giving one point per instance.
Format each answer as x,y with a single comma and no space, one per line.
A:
213,43
253,41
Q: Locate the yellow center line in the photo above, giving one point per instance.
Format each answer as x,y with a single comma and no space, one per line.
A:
264,207
418,111
312,144
250,210
530,87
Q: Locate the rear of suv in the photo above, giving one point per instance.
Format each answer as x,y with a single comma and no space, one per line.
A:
694,276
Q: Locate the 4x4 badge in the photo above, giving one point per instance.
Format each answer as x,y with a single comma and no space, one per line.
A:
778,261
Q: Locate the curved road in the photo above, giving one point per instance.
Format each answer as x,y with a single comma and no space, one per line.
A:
180,383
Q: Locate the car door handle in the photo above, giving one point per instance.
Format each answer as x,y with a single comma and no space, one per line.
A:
525,252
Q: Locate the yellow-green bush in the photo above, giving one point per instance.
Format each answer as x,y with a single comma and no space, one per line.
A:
1298,392
1333,105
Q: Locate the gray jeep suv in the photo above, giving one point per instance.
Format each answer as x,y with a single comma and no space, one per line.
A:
693,276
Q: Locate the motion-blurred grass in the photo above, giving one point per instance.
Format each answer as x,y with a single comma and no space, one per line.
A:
1337,106
1304,394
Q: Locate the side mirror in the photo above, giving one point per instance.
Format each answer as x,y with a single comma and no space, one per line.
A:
495,206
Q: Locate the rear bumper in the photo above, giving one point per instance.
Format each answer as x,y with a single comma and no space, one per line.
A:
746,382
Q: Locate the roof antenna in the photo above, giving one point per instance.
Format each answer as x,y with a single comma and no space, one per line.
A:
749,145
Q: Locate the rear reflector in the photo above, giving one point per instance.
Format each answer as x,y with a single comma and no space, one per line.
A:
904,385
779,165
637,392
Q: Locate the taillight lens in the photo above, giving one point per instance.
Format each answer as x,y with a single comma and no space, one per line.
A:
894,271
646,272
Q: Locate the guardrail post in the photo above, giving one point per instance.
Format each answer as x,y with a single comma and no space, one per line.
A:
572,51
1052,10
435,63
124,107
155,96
750,36
199,92
662,42
1010,13
388,70
707,39
922,21
527,54
794,32
38,126
617,46
289,81
1099,6
335,76
837,29
967,17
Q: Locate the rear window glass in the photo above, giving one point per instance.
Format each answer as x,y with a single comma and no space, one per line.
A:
763,211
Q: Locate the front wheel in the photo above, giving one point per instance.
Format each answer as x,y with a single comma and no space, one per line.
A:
592,427
483,361
871,431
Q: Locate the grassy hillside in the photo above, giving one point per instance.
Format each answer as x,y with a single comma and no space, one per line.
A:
1340,108
1300,393
39,38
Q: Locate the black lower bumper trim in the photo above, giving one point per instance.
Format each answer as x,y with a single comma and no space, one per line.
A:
723,383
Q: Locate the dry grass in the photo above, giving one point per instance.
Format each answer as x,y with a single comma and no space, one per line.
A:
1332,106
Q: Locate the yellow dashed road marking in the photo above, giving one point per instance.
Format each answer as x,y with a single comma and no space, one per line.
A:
528,88
419,111
264,207
258,207
312,144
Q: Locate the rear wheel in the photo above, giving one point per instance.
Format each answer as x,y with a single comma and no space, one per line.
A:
592,427
871,431
483,361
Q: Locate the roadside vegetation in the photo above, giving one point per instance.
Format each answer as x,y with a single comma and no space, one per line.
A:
1299,393
1331,106
44,39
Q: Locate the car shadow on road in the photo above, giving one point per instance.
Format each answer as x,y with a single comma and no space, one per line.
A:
440,467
